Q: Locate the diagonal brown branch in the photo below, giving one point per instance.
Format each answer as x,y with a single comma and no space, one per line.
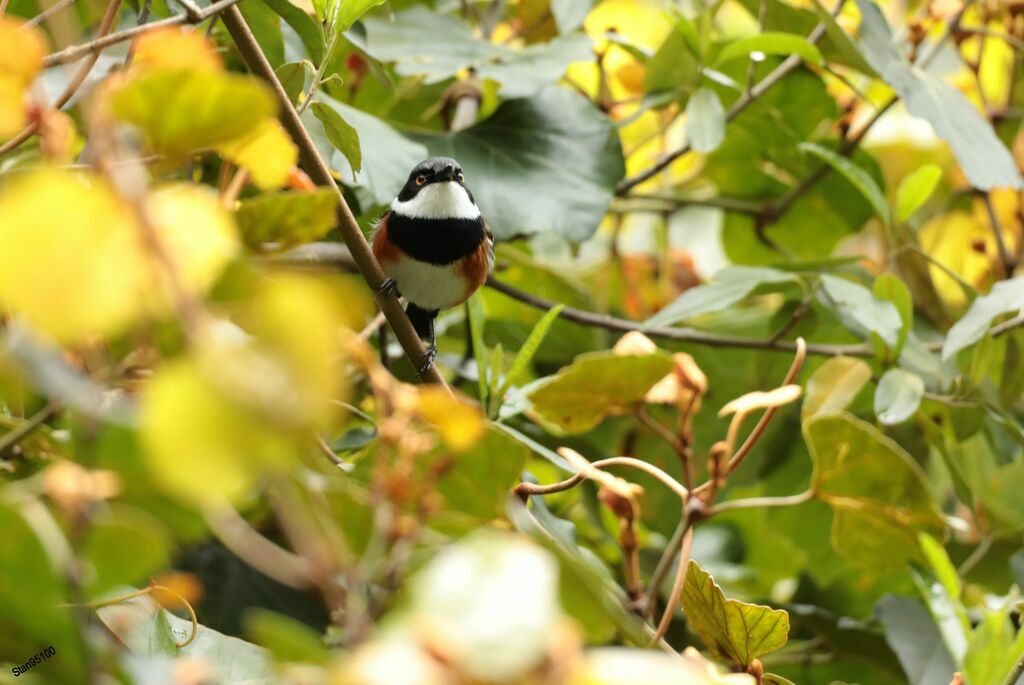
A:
318,170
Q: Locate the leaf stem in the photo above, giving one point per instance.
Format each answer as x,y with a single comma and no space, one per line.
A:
677,584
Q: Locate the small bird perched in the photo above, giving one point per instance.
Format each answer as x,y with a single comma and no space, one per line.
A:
434,245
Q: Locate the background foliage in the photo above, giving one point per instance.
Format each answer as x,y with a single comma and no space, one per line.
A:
742,402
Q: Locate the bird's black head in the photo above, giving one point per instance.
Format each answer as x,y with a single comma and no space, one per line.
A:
433,170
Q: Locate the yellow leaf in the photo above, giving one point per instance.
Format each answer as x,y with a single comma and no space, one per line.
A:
173,46
79,246
459,422
267,153
21,58
190,428
753,401
21,51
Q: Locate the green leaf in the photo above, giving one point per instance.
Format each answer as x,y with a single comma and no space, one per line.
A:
287,218
266,27
437,46
303,24
984,159
843,49
293,79
834,385
343,137
860,311
529,348
146,630
774,679
349,12
569,14
476,487
386,155
596,385
859,178
890,288
990,654
915,190
1005,297
183,110
477,322
524,160
674,66
877,492
771,44
286,638
494,369
705,120
898,396
1011,381
727,287
125,546
732,631
914,638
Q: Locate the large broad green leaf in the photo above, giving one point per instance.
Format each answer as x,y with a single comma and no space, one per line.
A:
386,155
860,310
771,43
727,287
915,189
985,160
898,396
992,651
124,546
834,385
1005,297
303,24
265,25
860,179
545,164
705,120
912,634
877,491
477,485
146,629
731,630
596,385
286,219
183,110
437,46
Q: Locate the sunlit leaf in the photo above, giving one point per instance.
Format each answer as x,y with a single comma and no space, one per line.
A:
732,631
174,47
753,401
1005,297
771,44
267,153
915,189
459,422
342,135
860,310
705,120
21,59
622,666
183,110
597,385
898,396
727,287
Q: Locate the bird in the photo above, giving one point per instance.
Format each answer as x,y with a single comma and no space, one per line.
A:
434,246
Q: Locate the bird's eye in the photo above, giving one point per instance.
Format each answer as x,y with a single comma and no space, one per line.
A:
421,179
462,177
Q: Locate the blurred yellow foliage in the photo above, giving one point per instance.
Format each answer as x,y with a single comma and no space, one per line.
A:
267,153
459,422
21,58
72,261
244,405
175,47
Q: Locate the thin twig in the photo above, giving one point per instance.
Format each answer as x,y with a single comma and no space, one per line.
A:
47,13
677,584
524,489
74,52
1006,261
761,502
22,431
257,551
318,170
680,334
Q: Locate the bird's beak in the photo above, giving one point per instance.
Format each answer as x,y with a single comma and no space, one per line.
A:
449,173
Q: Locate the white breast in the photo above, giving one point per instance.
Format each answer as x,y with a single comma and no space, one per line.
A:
427,285
446,200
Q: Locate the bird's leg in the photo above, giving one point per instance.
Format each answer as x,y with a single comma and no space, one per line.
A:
431,351
389,288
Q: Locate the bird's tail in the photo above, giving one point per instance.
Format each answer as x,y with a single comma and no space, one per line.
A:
423,321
